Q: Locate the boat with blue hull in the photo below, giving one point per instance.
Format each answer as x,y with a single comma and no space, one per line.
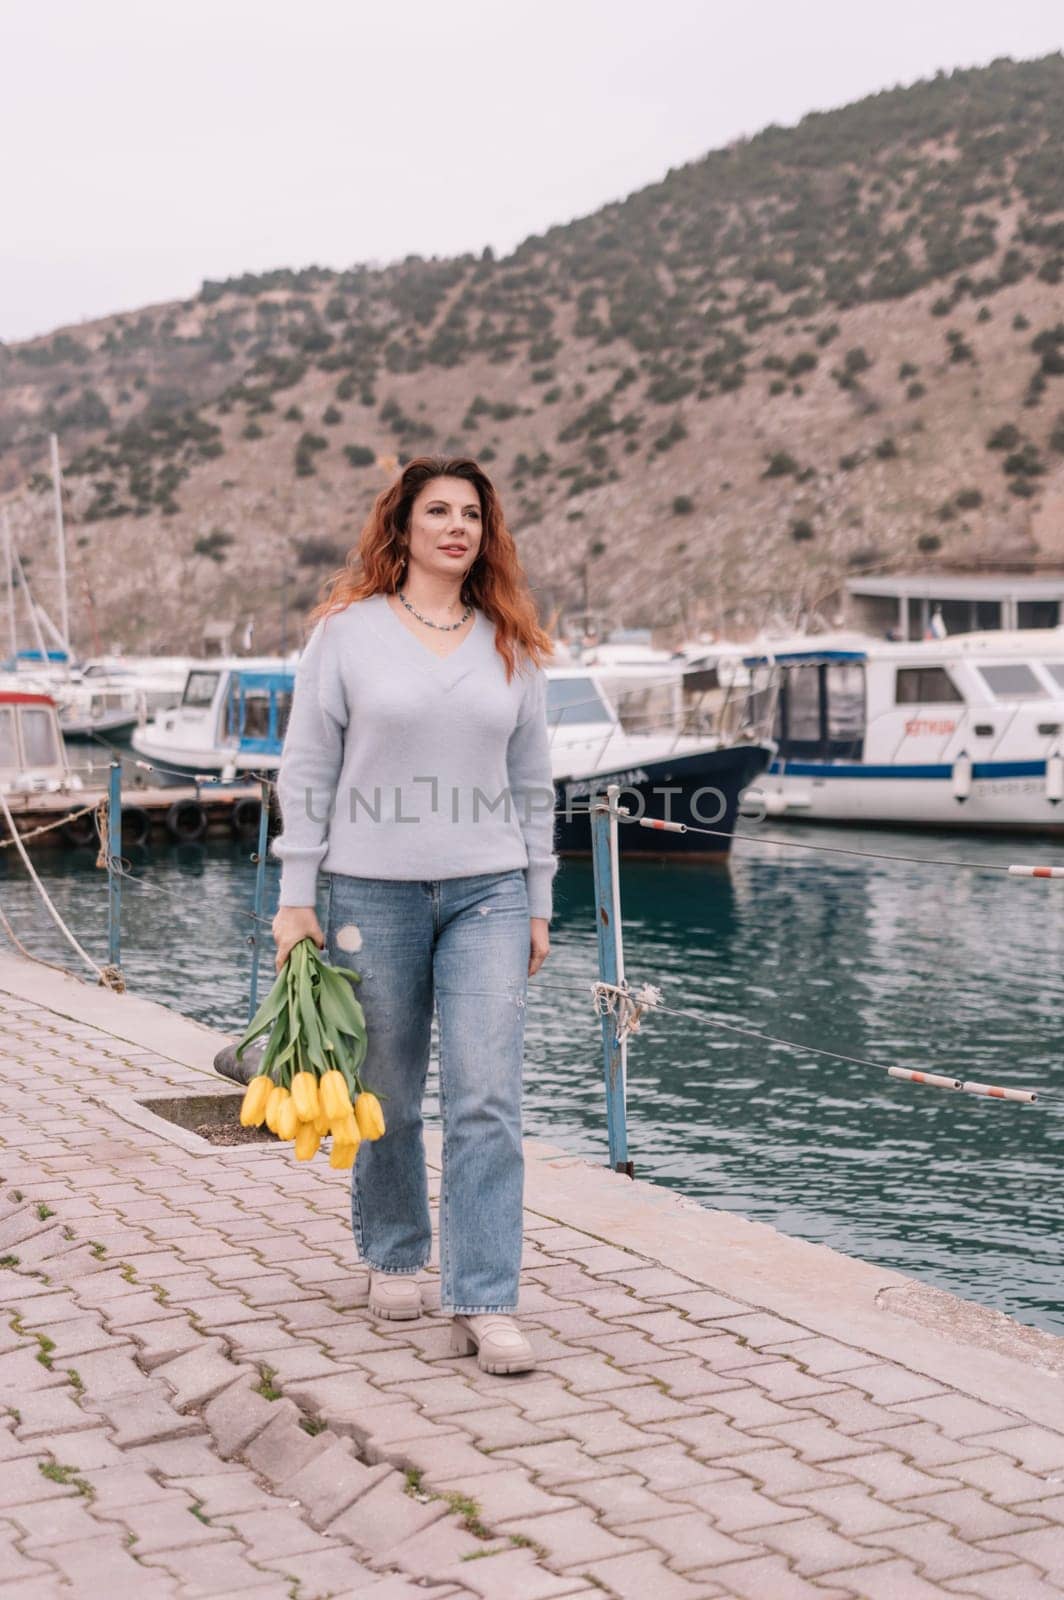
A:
964,732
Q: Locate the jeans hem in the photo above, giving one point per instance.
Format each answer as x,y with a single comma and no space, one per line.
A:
395,1272
478,1311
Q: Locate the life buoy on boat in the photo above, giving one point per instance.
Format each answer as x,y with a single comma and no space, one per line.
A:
136,825
1055,777
186,821
80,831
962,777
244,819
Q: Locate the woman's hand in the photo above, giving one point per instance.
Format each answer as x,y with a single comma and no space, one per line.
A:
539,944
290,925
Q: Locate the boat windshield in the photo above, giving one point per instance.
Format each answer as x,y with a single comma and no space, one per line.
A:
1014,680
573,700
199,688
38,737
1056,671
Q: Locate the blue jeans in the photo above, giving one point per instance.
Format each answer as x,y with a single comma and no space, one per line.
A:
463,945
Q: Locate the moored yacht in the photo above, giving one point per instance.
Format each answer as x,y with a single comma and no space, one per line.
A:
960,732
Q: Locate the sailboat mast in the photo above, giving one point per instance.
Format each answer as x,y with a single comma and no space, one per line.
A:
57,487
9,567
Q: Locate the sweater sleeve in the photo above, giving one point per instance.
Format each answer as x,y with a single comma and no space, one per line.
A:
532,789
310,769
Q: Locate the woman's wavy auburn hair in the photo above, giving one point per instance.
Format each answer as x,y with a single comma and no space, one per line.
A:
496,581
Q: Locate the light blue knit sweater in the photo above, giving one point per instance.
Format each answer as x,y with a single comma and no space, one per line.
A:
398,763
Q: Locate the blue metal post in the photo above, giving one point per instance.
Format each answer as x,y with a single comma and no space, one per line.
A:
114,855
611,968
255,940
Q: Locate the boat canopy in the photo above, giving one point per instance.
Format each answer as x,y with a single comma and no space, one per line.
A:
257,710
803,657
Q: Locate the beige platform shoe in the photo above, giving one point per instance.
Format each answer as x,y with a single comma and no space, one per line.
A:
500,1345
394,1296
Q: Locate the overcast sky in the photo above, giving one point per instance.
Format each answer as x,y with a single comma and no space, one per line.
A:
148,145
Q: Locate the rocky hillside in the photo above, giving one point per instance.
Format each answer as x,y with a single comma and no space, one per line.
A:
830,348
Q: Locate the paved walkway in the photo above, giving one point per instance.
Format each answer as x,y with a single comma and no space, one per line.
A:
195,1401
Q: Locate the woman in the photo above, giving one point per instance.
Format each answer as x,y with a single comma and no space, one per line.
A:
416,774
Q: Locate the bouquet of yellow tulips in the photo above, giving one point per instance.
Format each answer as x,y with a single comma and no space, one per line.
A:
309,1084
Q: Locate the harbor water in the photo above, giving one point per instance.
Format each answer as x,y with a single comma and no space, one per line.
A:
938,967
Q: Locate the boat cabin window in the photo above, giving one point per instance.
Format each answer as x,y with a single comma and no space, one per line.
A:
572,700
1013,681
820,714
925,686
38,737
199,689
8,753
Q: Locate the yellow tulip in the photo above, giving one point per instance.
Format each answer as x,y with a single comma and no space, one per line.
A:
307,1141
305,1095
321,1124
334,1098
369,1116
253,1106
287,1119
342,1156
274,1101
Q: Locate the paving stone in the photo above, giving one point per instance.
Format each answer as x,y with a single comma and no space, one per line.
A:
1014,1582
663,1467
277,1532
1042,1547
707,1435
514,1574
634,1576
558,1461
50,1522
236,1415
126,1484
198,1375
853,1510
500,1428
734,1504
386,1516
689,1542
331,1482
506,1494
812,1546
936,1552
621,1500
817,1441
998,1477
161,1341
224,1491
442,1458
87,1447
820,1355
785,1380
44,1412
972,1516
1035,1448
102,1565
890,1580
923,1444
574,1538
282,1447
113,1372
779,1471
21,1483
437,1548
888,1384
162,1524
549,1400
218,1569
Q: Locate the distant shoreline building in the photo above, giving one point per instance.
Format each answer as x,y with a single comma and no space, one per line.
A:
902,607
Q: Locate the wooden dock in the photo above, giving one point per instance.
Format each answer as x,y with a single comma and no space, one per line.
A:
182,814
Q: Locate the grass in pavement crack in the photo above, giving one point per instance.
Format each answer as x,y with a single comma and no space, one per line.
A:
99,1250
45,1348
469,1511
128,1271
312,1425
521,1541
77,1382
266,1386
44,1212
68,1232
56,1472
198,1512
8,1261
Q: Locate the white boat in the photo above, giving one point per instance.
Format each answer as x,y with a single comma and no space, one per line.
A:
960,732
33,756
229,722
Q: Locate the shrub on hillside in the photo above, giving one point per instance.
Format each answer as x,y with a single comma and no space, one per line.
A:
359,455
780,464
802,530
